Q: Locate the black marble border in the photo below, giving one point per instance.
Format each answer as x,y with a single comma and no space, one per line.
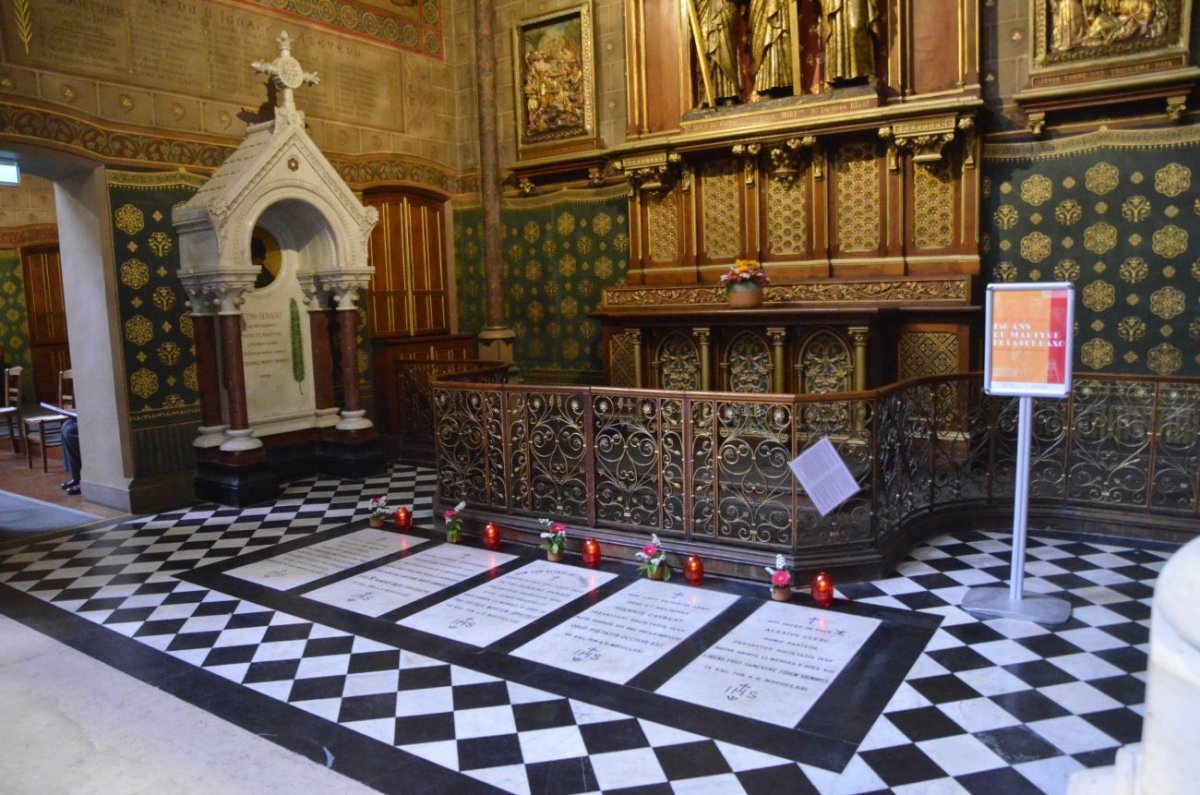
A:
827,736
375,764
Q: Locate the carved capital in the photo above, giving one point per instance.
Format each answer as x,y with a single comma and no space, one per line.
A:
653,172
344,286
525,186
925,138
788,158
748,154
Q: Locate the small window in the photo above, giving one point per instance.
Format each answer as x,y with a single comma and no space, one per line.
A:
10,172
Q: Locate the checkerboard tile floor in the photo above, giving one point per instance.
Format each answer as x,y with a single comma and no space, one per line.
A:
990,706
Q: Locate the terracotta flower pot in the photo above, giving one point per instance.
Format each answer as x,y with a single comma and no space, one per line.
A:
554,557
376,521
744,295
656,573
781,593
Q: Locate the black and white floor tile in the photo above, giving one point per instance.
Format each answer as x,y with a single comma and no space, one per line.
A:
988,706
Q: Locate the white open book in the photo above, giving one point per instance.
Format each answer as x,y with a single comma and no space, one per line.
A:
60,410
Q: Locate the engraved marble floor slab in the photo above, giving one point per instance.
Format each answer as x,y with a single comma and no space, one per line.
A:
311,563
484,615
627,632
401,582
774,665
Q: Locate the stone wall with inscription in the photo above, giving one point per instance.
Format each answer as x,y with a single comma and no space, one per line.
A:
182,66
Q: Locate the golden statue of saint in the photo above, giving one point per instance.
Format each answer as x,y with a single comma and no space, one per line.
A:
1070,25
717,38
771,45
851,28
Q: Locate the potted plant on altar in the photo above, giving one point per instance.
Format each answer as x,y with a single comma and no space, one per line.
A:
454,523
554,539
744,283
653,560
380,511
781,580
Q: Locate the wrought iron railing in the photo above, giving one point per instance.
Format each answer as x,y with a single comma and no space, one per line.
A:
712,468
414,421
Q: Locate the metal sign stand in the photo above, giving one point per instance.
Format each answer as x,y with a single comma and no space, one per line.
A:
996,601
1015,334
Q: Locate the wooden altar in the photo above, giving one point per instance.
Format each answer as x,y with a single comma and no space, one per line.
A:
808,337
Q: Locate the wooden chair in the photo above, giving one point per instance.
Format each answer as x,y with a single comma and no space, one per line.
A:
46,430
10,412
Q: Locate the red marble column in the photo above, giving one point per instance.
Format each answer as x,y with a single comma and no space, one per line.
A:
235,377
322,358
348,348
489,159
207,374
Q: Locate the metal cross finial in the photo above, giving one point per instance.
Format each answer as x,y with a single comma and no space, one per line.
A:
286,71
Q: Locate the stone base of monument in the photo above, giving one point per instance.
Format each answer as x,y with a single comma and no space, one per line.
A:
350,458
236,479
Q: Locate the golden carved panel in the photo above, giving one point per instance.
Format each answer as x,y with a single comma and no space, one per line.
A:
748,362
933,205
622,364
824,364
927,353
663,216
722,221
943,290
677,362
787,216
857,201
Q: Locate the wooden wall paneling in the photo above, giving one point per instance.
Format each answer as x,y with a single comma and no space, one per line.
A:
666,56
426,249
935,35
859,207
635,70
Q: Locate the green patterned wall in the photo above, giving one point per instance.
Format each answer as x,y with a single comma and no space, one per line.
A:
14,322
558,252
160,356
1118,214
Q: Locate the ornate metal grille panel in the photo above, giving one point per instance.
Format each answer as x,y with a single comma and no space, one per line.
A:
847,425
1177,463
663,216
557,453
678,362
462,433
960,446
748,362
629,464
1110,443
857,198
719,183
787,216
754,488
933,204
704,468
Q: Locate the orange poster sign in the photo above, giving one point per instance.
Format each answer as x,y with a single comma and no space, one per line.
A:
1028,350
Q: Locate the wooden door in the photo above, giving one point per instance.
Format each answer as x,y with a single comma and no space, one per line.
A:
47,313
409,293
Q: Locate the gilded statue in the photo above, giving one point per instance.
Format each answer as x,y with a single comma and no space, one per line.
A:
1112,21
554,89
770,45
851,28
1069,25
715,29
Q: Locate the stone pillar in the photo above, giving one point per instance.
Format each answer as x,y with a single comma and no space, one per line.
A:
238,436
777,335
703,337
495,340
353,416
859,336
1166,759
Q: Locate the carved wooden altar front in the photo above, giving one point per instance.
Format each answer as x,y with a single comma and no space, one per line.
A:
810,337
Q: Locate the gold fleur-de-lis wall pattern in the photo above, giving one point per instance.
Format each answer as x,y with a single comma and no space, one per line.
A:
558,252
156,329
1118,214
14,321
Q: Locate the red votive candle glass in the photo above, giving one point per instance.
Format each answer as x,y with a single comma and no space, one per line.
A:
491,536
591,553
693,570
822,589
403,519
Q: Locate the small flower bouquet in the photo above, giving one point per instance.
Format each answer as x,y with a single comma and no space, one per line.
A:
653,560
454,523
745,271
554,539
781,580
380,511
